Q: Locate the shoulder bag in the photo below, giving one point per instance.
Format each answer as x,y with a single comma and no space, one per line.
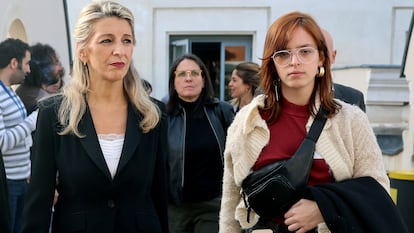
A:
273,189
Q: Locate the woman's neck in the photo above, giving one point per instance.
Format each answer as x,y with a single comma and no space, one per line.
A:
297,96
245,99
106,94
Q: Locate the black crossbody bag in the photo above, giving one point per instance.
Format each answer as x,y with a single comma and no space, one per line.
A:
273,189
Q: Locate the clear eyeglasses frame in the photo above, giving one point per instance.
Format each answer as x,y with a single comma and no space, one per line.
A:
186,73
305,55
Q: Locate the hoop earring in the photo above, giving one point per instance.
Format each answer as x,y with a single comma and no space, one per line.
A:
321,71
276,84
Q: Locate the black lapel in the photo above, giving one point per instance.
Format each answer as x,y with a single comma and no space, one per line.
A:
91,144
133,136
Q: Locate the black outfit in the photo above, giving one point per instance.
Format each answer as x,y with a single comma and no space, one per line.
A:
359,205
349,95
270,225
135,200
4,200
161,105
217,117
30,96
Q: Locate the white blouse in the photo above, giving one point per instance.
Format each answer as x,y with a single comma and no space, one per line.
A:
111,146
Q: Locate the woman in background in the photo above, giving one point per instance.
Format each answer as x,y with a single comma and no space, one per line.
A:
244,81
197,125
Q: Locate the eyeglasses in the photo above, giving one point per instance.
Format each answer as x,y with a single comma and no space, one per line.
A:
185,73
305,55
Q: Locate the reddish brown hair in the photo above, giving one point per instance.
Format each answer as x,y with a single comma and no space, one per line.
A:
277,38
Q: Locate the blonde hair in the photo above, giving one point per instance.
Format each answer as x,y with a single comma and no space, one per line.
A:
73,105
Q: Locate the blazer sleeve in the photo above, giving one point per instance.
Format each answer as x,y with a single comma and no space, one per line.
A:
160,186
39,198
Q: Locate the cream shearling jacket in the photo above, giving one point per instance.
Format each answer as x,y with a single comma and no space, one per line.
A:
347,143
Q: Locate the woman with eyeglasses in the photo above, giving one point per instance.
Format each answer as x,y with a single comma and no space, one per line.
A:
347,189
197,126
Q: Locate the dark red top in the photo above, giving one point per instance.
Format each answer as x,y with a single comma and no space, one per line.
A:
286,134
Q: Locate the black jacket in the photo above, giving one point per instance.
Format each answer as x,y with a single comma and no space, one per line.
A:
349,95
135,200
220,115
359,205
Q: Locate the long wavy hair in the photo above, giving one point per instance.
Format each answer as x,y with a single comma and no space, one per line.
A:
74,104
277,38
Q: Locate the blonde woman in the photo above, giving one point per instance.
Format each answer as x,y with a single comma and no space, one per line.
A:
103,137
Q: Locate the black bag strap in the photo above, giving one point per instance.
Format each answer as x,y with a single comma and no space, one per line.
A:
303,157
301,160
317,125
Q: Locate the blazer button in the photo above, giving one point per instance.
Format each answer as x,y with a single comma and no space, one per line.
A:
111,203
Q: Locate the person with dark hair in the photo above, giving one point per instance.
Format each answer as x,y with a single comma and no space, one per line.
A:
244,81
15,126
346,188
45,78
103,136
197,126
147,86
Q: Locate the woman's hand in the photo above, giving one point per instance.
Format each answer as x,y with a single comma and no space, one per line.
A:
303,216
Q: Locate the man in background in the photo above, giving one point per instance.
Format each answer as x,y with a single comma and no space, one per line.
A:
347,94
15,127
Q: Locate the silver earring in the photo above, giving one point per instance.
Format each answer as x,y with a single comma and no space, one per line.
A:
321,71
275,83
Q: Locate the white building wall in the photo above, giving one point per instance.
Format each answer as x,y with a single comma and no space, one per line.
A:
250,21
365,32
43,21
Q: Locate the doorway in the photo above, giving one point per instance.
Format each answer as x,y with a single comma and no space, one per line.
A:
219,53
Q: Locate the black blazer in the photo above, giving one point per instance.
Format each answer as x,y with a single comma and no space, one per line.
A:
349,95
134,201
4,200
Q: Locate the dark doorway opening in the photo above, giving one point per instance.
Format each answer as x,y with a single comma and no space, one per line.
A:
209,52
220,53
